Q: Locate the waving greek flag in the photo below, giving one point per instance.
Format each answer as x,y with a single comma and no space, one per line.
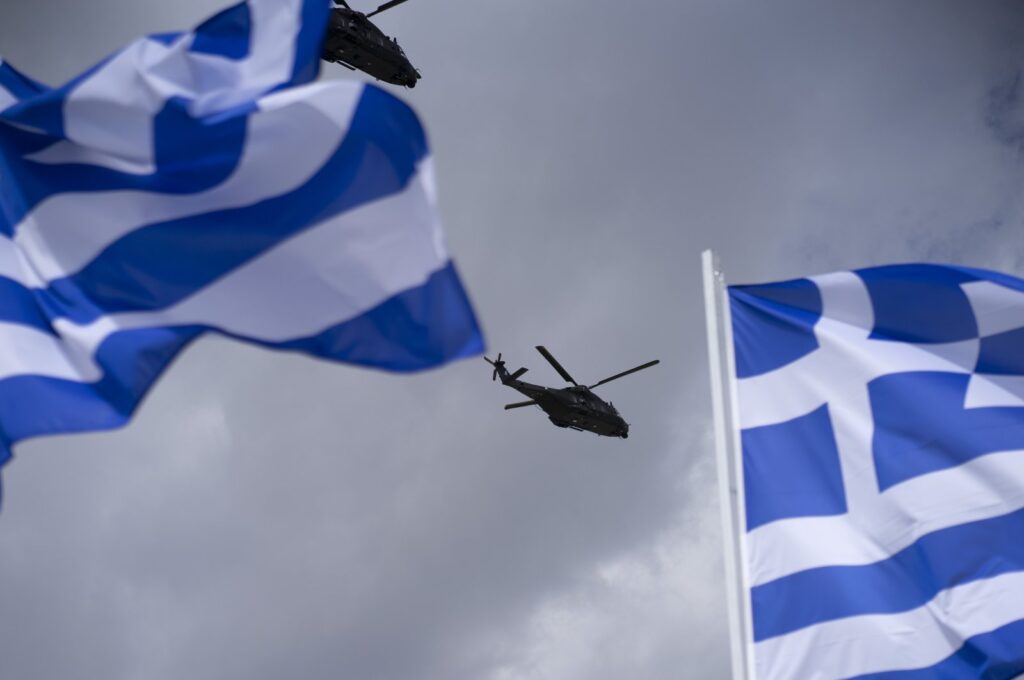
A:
202,182
881,418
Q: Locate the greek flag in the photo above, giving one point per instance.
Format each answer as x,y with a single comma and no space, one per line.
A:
203,181
881,416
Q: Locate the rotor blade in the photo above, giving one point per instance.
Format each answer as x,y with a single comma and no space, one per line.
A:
386,6
515,376
558,367
632,370
519,404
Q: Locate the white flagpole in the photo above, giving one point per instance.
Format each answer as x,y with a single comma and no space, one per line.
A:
727,453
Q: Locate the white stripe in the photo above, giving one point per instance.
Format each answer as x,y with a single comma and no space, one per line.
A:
989,390
220,84
918,638
65,152
289,140
12,264
48,356
804,385
6,98
996,308
111,112
317,279
322,277
983,488
846,355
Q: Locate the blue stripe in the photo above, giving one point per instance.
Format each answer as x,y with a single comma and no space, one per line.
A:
792,469
45,111
905,581
191,155
166,39
1002,354
1011,282
921,425
19,304
898,291
14,143
17,83
226,34
309,44
419,328
773,324
159,265
997,655
422,327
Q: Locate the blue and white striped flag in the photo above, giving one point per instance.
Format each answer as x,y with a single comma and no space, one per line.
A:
200,182
881,416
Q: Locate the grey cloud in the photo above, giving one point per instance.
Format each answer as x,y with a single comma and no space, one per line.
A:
267,515
1006,110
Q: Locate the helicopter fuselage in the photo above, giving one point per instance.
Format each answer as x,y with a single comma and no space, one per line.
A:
574,407
356,43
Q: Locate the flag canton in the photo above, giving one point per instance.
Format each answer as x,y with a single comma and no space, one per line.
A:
932,356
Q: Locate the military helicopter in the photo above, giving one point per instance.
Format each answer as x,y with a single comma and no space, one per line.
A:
574,407
354,42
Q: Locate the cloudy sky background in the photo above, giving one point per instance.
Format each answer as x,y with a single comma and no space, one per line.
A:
267,515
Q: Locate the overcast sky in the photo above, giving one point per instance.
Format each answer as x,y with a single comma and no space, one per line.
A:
268,515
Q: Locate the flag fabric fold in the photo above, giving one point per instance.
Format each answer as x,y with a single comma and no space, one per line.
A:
204,181
881,416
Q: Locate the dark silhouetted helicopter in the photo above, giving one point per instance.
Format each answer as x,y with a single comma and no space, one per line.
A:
355,43
575,407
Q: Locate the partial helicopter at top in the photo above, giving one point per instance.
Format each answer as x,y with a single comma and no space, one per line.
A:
354,42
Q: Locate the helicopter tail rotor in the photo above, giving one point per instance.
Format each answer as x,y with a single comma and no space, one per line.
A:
498,364
499,371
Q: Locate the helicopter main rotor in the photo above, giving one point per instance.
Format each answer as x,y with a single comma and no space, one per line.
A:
625,373
557,366
568,378
385,7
